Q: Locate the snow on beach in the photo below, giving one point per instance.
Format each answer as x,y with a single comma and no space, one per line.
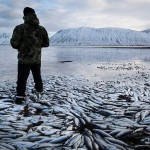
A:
78,113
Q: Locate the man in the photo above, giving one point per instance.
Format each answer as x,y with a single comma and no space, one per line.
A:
29,38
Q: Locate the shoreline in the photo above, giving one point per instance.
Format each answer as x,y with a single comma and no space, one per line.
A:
97,46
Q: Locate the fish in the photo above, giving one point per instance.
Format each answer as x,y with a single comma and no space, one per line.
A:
81,145
61,139
101,143
24,145
95,145
123,132
115,131
13,136
10,147
101,133
85,118
77,144
76,122
144,114
48,145
76,116
106,112
88,142
113,140
74,139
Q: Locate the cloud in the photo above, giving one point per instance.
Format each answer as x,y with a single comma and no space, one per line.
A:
125,13
55,15
129,9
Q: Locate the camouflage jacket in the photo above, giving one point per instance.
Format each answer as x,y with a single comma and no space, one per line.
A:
29,38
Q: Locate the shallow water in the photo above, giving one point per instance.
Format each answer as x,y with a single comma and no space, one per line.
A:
89,62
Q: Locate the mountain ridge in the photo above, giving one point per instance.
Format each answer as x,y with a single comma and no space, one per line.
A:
5,38
86,36
101,36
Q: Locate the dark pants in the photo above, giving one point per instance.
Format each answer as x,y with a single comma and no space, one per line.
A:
23,73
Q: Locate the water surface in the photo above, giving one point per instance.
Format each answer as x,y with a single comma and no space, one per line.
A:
75,61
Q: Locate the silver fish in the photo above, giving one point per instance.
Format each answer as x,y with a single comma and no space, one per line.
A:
61,139
10,147
144,113
116,141
124,132
76,122
101,133
101,143
88,142
73,139
95,145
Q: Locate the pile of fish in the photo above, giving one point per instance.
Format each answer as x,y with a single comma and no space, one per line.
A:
73,113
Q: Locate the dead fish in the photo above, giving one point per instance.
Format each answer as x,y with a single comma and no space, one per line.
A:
3,148
115,146
113,140
22,144
10,136
101,133
48,133
77,108
115,131
144,114
148,129
61,139
44,140
37,106
76,122
95,145
86,119
135,96
88,142
137,115
82,122
100,126
87,132
10,147
142,147
74,139
48,145
101,143
76,144
81,142
106,112
124,132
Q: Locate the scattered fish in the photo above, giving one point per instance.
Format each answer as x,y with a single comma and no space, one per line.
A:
72,113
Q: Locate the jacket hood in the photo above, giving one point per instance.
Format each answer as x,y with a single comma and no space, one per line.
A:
31,19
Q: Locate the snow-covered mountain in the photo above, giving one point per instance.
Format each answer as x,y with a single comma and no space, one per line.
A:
146,31
102,37
5,38
94,37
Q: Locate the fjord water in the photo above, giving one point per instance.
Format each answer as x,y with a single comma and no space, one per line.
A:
84,61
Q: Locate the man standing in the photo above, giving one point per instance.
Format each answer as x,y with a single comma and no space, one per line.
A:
29,38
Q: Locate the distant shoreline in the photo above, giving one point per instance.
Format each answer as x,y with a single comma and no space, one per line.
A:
100,46
96,46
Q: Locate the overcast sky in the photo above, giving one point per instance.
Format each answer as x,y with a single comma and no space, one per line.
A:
56,15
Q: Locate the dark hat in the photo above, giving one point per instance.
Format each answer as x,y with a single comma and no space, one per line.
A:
28,10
